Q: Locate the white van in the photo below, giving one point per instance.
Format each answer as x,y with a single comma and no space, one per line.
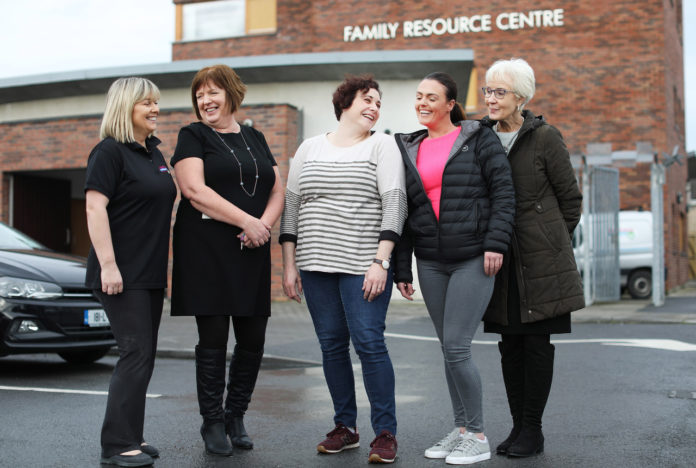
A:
635,251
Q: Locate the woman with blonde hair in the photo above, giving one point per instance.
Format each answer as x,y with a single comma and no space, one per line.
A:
129,199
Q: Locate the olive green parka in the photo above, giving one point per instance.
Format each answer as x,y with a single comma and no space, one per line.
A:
548,207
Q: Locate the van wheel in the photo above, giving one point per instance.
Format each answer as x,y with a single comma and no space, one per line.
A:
640,284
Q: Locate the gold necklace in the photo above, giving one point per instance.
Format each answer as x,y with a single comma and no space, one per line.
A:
239,164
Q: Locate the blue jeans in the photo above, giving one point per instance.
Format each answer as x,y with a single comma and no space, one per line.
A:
340,314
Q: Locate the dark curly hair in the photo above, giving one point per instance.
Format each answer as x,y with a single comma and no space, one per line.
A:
345,93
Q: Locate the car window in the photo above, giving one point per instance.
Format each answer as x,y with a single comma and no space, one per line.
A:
13,239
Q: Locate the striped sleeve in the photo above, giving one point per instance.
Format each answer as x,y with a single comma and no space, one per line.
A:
394,209
391,187
289,219
288,222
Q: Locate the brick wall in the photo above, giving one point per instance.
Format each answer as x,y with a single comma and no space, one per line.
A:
612,73
66,143
600,77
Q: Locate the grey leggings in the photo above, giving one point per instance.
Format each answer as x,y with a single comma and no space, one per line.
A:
456,295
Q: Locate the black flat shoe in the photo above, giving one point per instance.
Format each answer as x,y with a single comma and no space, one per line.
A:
141,459
149,450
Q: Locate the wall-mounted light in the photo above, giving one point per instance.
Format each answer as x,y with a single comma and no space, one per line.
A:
248,122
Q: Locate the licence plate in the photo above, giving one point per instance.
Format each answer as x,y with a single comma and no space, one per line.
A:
96,318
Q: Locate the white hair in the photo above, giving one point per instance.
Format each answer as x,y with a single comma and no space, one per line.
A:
518,74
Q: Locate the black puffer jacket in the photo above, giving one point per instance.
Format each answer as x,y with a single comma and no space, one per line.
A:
477,204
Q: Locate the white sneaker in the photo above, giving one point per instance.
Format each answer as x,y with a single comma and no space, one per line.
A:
445,446
469,450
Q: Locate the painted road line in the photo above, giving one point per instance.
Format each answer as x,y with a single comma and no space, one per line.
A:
65,390
667,345
411,337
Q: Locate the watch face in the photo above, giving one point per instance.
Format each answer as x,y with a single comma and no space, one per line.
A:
385,264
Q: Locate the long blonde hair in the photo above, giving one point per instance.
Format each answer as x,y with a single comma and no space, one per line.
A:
117,122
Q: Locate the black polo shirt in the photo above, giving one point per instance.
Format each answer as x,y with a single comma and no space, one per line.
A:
141,194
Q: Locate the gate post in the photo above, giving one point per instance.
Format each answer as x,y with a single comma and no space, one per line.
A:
587,263
657,180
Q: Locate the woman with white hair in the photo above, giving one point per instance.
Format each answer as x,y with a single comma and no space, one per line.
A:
539,284
129,197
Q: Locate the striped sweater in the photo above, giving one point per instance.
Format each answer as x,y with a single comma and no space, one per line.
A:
341,201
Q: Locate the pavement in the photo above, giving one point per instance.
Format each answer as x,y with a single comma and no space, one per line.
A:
613,404
178,335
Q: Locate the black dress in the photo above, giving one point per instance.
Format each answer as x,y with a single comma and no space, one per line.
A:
211,274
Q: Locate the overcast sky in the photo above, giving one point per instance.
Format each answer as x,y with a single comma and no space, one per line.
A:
44,36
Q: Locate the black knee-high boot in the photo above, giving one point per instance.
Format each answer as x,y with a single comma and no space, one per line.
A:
512,363
538,367
210,382
244,369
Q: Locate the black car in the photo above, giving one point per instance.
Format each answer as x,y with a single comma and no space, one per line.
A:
44,304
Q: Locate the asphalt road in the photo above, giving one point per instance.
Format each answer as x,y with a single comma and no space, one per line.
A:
615,402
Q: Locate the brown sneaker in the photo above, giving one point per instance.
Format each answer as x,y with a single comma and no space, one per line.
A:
383,448
338,440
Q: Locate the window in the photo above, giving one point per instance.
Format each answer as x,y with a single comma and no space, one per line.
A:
198,21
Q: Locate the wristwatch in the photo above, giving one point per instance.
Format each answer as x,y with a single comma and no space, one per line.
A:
383,263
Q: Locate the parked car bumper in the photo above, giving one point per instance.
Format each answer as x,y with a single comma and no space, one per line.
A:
32,326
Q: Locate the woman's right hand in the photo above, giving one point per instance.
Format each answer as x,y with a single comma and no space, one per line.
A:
292,284
406,290
256,232
112,282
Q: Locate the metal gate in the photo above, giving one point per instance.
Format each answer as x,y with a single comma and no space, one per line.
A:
602,280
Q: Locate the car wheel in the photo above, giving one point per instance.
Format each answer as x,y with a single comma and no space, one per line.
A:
84,357
640,284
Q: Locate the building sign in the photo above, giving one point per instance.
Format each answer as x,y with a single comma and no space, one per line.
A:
505,21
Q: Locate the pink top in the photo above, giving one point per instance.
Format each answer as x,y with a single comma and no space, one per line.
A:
431,160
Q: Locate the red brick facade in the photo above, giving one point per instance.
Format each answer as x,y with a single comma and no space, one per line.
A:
612,72
66,143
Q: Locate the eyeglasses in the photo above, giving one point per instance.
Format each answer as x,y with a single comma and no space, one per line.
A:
498,92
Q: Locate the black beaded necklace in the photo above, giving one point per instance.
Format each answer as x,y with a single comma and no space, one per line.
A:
239,164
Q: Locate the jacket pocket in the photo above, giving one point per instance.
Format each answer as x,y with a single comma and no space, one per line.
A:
555,233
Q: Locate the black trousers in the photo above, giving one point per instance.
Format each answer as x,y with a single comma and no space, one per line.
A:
135,318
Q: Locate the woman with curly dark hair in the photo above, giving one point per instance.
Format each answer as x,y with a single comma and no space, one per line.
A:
344,209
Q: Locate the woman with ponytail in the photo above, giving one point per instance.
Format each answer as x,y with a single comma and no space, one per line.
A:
461,211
